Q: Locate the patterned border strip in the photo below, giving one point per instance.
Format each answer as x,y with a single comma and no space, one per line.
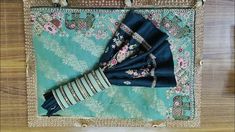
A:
86,87
35,121
135,36
199,33
118,3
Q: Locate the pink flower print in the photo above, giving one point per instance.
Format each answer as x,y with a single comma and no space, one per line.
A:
82,25
113,61
180,49
176,103
124,49
137,74
104,64
182,63
121,56
167,25
72,26
178,89
49,27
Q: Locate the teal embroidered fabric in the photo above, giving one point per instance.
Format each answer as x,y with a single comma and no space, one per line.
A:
65,50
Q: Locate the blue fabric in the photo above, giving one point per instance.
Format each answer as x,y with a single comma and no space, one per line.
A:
139,58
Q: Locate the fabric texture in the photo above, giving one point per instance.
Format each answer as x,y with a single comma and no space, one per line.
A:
139,55
58,60
138,42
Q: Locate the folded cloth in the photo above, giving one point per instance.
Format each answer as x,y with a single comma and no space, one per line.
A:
137,55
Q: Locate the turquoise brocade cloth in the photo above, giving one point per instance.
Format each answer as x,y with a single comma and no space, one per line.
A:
65,50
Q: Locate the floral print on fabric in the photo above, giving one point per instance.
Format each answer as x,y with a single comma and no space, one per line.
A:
118,39
139,73
66,27
125,52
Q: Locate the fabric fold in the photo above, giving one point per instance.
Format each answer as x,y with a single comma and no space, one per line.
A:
137,55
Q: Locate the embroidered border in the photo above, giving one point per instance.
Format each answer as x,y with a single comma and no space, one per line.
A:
118,3
135,36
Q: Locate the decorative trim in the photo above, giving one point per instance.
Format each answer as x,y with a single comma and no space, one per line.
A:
36,121
118,3
135,36
65,97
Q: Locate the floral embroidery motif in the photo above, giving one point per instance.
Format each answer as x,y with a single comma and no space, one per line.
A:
182,63
125,52
118,39
75,21
138,73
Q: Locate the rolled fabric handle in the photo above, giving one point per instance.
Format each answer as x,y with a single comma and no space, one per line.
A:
73,92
